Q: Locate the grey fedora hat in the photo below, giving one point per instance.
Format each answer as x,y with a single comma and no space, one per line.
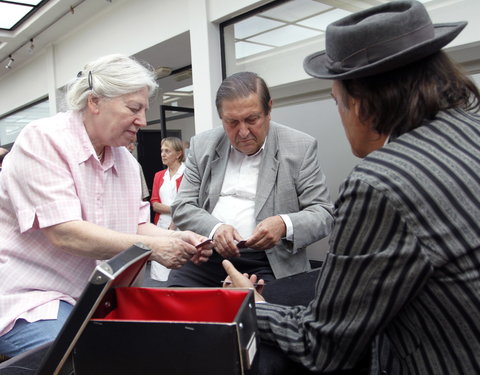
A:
379,39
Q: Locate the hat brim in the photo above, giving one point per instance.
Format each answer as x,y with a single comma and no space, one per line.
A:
315,64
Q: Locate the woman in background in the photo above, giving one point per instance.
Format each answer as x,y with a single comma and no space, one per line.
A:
165,186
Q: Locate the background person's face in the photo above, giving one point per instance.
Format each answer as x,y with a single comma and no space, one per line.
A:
245,123
169,155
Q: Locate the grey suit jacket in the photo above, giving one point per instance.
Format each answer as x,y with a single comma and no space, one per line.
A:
290,182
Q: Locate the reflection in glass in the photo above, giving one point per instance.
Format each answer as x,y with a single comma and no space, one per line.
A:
12,12
289,25
11,125
321,21
285,35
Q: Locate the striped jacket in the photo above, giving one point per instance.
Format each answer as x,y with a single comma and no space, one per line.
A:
402,277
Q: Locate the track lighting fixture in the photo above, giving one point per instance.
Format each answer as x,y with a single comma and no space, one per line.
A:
31,47
10,62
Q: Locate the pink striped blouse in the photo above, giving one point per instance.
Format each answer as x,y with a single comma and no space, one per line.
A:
51,176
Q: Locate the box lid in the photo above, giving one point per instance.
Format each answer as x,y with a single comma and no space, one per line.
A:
124,269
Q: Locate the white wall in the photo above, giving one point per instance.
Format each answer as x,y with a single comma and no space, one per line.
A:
27,85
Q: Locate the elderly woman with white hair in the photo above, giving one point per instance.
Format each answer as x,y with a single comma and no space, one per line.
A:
70,195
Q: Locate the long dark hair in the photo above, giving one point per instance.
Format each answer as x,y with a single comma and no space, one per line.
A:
401,100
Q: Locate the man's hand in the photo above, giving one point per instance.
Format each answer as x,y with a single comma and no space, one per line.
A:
236,280
267,233
226,238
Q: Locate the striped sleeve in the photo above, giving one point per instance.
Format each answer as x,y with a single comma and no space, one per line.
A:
374,268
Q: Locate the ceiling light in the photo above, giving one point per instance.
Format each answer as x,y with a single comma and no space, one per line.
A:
162,72
31,47
183,75
10,62
178,93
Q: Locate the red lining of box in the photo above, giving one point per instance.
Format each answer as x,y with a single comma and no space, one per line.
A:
192,305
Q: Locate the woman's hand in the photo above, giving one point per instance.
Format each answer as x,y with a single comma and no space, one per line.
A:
170,251
202,244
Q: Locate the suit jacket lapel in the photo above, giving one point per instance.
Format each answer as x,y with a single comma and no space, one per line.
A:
218,168
267,175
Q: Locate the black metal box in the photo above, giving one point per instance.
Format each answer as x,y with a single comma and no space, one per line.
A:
117,328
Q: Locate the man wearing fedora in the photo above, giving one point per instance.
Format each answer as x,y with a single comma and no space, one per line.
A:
401,283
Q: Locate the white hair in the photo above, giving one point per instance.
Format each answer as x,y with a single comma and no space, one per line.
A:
109,76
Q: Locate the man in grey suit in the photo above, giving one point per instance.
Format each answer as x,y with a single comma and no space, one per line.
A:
401,282
254,186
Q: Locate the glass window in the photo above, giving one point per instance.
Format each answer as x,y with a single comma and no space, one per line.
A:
273,40
13,13
12,124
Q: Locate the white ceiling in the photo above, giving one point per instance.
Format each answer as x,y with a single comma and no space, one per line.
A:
55,18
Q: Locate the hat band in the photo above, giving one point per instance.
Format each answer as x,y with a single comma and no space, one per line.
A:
381,50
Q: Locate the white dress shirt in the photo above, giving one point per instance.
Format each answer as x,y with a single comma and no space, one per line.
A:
167,193
236,204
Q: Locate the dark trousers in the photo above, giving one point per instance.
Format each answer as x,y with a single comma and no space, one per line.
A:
271,360
211,273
